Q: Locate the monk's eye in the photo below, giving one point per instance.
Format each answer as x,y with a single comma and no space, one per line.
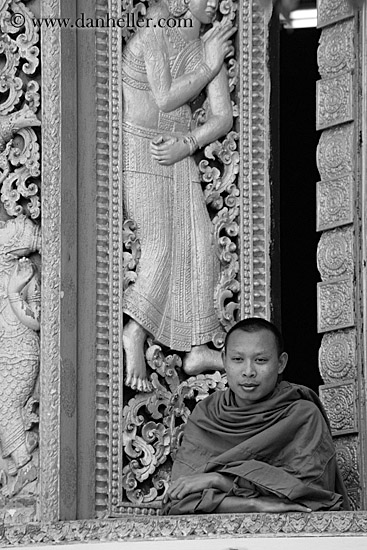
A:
237,359
261,360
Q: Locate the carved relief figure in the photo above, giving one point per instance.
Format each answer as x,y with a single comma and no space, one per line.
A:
19,320
19,352
163,70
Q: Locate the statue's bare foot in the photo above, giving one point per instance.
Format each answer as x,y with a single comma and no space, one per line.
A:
201,359
25,475
133,339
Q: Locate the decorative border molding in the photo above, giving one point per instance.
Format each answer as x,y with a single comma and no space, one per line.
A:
132,528
254,167
103,245
51,266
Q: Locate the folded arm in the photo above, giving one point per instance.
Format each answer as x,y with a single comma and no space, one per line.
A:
187,485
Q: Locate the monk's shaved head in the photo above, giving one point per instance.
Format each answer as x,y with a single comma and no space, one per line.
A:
255,324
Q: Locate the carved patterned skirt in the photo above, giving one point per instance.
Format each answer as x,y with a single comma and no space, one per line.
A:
19,361
178,270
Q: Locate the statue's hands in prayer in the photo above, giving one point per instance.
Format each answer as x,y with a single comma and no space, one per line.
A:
167,150
186,485
21,275
217,45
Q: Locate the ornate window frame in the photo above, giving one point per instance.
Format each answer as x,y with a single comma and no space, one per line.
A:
58,472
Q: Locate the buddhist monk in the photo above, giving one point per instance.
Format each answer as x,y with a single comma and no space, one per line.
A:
262,445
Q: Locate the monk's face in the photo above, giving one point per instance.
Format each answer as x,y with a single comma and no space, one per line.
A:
252,365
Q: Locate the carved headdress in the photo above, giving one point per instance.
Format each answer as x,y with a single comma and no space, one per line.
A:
177,8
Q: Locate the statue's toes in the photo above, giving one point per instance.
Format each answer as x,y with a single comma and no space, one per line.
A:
134,383
147,387
128,379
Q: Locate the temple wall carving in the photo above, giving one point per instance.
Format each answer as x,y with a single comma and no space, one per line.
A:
338,105
20,260
137,433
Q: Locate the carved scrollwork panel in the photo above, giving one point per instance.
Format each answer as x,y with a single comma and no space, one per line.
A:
347,452
335,256
336,50
332,11
335,304
335,152
334,99
152,425
338,355
340,402
335,202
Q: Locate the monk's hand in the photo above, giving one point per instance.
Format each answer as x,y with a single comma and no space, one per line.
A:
167,150
186,485
275,504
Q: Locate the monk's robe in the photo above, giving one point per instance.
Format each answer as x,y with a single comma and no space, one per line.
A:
280,446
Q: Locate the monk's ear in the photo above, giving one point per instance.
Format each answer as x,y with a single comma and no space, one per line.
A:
283,360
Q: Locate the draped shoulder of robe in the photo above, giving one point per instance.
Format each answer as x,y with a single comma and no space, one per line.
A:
279,446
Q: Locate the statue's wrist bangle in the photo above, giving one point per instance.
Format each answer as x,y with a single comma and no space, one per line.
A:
207,71
14,297
192,143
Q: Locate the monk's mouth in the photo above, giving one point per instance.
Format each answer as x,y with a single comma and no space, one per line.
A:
249,387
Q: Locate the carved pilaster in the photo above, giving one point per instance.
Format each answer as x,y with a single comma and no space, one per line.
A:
338,163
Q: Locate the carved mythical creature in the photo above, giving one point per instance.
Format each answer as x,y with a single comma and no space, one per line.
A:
19,344
163,69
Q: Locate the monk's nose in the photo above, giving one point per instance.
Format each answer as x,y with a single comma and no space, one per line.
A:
248,370
212,4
